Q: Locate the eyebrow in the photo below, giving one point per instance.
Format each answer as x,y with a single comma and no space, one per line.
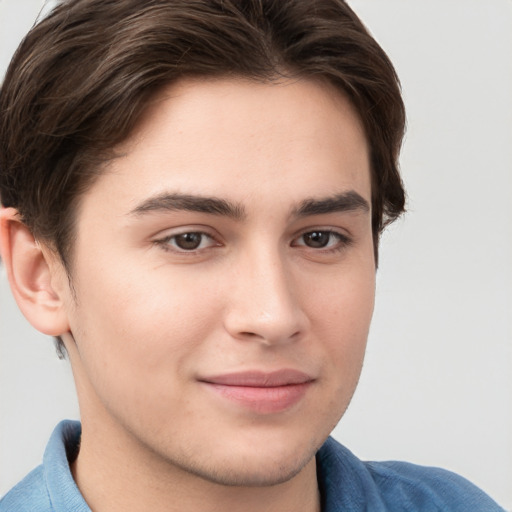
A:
345,202
191,203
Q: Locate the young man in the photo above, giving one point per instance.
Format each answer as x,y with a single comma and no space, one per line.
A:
193,194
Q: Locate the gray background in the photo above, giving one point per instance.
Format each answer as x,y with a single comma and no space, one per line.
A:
436,388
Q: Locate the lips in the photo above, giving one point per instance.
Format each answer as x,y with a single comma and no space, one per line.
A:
261,392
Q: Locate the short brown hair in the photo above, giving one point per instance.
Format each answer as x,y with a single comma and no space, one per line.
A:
82,77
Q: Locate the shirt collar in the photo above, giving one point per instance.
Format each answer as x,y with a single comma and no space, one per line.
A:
62,449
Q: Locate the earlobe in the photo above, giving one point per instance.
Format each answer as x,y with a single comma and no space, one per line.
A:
31,276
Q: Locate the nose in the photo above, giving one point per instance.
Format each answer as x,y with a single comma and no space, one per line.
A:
265,302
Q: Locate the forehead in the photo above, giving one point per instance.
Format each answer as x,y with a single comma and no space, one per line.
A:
241,139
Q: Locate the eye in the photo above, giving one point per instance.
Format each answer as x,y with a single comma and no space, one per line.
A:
323,239
187,242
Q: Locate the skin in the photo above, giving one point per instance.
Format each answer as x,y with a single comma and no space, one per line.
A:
149,321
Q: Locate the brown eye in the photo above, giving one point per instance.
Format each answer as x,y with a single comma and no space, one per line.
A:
317,239
323,239
188,241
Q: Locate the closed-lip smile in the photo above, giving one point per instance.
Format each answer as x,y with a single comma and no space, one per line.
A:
261,391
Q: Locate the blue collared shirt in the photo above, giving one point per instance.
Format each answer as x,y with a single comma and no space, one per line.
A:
346,483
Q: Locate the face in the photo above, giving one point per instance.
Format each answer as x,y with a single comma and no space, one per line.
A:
223,280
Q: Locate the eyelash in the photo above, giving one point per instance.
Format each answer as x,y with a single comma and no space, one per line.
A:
343,241
166,245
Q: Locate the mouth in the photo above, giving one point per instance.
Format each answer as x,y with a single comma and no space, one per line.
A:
261,392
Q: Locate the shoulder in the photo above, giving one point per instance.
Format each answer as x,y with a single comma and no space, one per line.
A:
29,495
394,486
428,488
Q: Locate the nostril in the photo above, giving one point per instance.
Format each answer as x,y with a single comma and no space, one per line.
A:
249,334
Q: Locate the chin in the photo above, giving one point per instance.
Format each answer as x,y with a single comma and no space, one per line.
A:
253,464
251,473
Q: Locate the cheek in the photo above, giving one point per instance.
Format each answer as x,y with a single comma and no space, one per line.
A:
139,328
340,315
342,301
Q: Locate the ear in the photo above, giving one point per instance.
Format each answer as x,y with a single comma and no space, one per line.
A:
38,283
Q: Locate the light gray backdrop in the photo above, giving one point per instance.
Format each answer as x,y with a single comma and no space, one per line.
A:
437,384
